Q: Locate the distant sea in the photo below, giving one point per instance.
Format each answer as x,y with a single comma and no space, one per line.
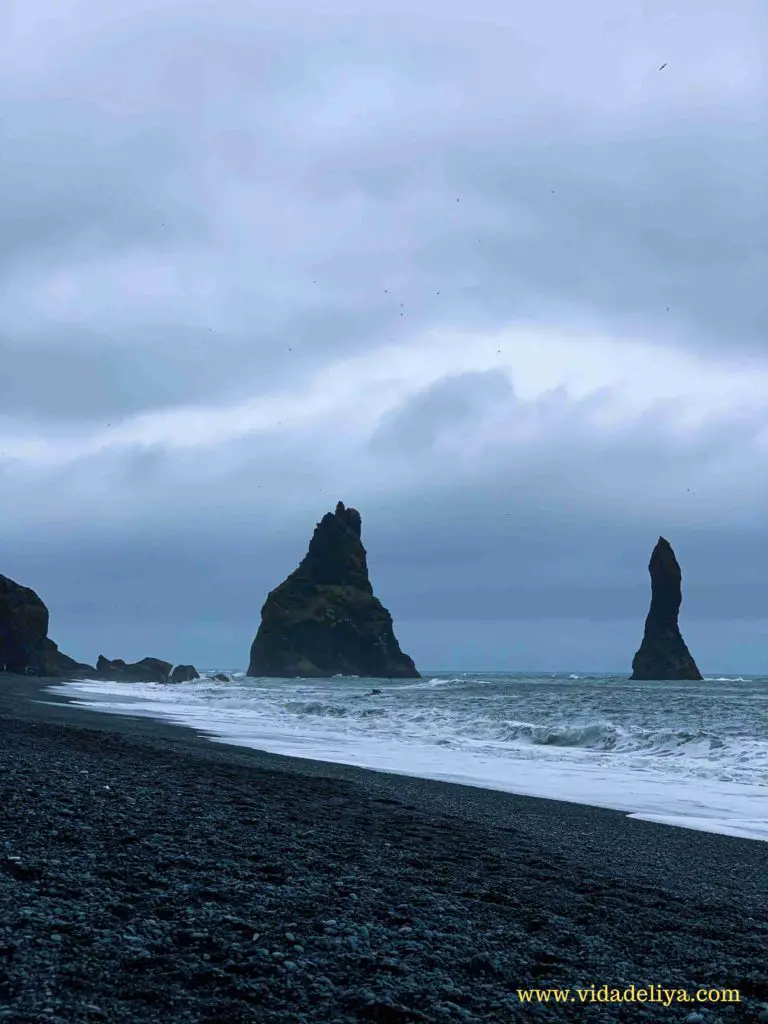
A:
687,754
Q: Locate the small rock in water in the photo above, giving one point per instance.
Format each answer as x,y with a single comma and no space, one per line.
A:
184,674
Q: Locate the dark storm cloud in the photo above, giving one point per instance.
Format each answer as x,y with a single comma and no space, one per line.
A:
298,179
204,206
558,532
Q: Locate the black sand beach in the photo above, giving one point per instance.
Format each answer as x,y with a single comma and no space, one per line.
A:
148,875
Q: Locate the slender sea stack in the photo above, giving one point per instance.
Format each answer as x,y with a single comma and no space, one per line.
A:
663,653
324,619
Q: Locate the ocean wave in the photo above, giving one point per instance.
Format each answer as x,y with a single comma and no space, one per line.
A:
606,736
315,708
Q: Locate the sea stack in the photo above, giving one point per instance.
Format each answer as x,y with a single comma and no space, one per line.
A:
324,619
663,653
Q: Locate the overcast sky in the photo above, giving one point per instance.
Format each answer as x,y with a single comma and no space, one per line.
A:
492,272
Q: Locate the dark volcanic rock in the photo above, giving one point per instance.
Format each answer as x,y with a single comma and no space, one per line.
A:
324,619
184,674
23,629
24,645
663,653
221,678
59,664
148,670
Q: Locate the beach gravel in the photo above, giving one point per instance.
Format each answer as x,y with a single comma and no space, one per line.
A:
148,875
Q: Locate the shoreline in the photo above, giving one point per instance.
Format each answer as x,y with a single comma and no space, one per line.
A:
29,699
159,877
603,762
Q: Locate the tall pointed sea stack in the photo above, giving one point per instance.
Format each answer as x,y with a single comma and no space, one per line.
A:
324,620
663,653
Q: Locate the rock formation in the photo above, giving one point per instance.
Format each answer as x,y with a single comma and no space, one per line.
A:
324,619
663,653
59,664
25,648
184,674
23,629
221,678
148,670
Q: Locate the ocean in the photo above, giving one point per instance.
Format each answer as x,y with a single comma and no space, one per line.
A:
691,754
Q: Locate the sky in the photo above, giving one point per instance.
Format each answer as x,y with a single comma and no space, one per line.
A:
492,273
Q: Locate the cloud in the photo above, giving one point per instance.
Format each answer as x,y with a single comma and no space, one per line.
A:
195,204
440,414
447,407
490,275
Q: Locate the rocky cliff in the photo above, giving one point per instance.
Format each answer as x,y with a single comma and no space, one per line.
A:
324,619
663,653
59,664
25,647
23,629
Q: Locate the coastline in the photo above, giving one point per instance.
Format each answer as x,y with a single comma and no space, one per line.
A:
544,892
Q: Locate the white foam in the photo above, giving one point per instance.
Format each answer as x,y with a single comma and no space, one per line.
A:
671,755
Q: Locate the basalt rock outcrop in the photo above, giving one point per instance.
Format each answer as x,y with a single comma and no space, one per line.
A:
25,647
184,674
23,629
59,664
663,653
324,619
148,670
